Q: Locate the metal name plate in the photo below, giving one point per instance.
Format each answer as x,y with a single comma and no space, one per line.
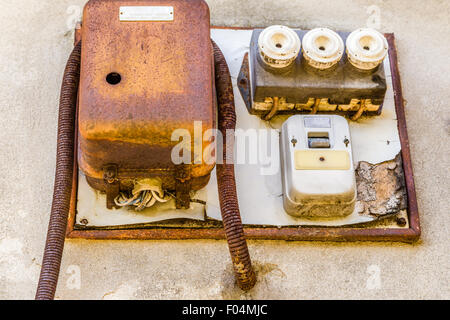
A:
146,13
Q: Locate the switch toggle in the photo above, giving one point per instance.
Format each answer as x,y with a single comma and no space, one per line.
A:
319,139
315,142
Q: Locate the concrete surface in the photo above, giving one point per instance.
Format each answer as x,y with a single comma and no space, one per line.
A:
36,40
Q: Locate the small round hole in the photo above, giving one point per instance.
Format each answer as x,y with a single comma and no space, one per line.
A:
113,78
322,159
322,48
366,48
278,45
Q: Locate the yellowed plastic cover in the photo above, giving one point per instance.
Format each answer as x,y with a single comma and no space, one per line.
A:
322,160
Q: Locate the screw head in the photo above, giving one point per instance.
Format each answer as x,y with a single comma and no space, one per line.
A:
294,141
401,221
346,141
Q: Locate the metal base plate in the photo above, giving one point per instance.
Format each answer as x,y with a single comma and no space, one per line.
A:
386,230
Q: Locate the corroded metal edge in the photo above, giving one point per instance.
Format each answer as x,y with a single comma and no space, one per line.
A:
410,234
243,83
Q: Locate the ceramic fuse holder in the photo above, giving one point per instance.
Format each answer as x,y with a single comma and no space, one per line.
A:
278,46
322,48
366,48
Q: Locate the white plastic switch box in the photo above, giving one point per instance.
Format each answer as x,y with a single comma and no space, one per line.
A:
317,166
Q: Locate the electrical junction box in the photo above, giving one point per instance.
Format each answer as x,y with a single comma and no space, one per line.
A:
317,166
146,70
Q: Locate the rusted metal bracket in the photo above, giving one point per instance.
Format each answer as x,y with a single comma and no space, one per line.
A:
243,83
183,186
112,185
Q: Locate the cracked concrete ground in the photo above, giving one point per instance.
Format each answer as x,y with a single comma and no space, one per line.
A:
35,43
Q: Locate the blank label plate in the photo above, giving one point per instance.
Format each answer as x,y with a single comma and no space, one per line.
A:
322,160
146,13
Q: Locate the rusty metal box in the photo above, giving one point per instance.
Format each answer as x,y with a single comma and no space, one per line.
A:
146,70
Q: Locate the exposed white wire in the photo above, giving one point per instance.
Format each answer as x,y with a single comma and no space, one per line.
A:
142,199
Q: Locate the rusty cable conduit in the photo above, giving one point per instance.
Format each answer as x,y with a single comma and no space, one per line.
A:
64,177
226,182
